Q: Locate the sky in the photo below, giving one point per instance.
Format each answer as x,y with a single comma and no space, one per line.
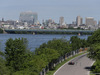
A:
46,9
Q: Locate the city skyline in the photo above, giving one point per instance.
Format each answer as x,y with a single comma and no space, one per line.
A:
54,9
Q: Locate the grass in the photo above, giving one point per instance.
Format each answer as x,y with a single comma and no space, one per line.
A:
91,73
62,63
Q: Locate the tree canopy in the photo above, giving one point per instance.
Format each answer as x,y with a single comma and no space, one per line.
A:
21,61
15,53
94,52
95,38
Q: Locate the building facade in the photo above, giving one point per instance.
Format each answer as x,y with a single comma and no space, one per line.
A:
95,22
29,17
79,21
90,21
61,20
99,24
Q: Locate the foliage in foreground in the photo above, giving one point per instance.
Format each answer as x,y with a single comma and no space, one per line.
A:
3,68
94,52
20,61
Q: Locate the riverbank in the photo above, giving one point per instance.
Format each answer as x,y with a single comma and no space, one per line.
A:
49,31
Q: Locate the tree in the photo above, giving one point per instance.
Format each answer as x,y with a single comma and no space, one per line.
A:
75,42
60,45
84,43
1,53
16,54
95,38
94,51
1,31
50,54
3,69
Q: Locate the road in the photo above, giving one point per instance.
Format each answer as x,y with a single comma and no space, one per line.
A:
81,66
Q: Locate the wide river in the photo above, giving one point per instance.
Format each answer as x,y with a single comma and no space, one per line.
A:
34,41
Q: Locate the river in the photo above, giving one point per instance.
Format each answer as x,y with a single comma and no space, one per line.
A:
34,41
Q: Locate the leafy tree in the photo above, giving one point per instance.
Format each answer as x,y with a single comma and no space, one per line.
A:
50,54
3,69
96,67
37,63
16,54
75,42
94,51
27,71
95,38
52,50
1,53
1,31
60,45
84,43
94,42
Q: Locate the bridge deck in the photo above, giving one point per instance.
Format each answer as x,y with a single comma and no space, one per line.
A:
49,30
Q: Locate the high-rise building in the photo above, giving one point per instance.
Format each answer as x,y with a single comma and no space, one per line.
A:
95,22
90,21
2,19
49,21
61,20
99,23
78,21
29,17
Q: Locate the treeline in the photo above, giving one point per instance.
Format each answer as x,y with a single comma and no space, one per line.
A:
19,60
51,32
1,31
94,52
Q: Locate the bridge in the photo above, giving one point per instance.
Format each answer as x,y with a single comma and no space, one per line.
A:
47,31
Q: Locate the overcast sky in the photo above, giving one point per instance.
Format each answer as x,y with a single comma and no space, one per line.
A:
69,9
